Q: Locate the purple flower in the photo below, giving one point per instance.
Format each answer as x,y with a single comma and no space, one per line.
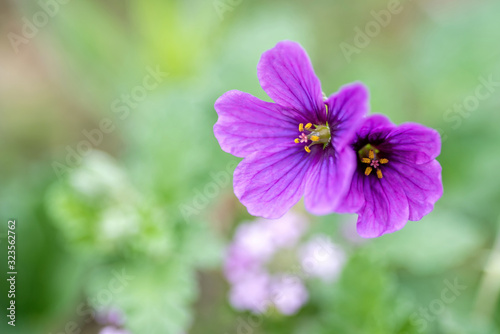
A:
296,146
397,178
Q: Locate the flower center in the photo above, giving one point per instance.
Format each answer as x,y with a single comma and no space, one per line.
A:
319,135
370,155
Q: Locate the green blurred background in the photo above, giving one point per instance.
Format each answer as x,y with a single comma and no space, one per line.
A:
83,218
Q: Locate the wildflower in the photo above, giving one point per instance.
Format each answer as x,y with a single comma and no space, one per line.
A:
321,258
113,330
256,242
251,292
397,177
276,277
112,316
296,146
113,319
289,295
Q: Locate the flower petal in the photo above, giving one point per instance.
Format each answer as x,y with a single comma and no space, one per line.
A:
374,128
287,76
329,179
386,207
247,124
413,143
346,110
422,185
354,198
270,183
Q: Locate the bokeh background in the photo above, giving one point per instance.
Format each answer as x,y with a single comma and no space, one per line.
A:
140,202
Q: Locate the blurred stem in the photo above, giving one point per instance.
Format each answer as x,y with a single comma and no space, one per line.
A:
489,288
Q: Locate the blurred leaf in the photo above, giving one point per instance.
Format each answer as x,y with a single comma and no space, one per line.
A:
364,300
155,297
438,242
96,208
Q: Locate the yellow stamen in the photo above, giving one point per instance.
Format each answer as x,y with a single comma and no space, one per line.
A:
301,127
308,150
368,170
296,140
371,155
326,106
308,126
383,161
379,173
366,160
314,138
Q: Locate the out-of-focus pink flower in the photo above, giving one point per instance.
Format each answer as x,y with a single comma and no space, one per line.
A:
256,243
321,258
111,316
288,295
255,239
251,292
286,231
239,263
113,330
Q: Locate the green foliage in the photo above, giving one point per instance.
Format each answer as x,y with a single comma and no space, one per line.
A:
101,215
364,301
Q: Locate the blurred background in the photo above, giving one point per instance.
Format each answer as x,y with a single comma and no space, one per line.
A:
125,217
